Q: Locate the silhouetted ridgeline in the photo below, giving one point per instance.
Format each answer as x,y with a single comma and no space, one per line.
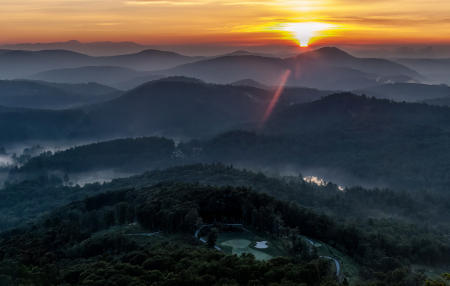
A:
176,107
20,64
121,155
326,68
45,95
369,141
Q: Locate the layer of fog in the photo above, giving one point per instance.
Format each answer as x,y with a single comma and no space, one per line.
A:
37,147
98,176
320,176
6,160
317,176
16,155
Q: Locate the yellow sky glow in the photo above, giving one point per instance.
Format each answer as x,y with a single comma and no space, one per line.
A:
229,21
304,32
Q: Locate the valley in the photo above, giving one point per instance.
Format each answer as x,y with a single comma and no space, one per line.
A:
157,168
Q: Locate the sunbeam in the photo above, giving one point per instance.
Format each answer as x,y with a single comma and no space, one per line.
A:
275,98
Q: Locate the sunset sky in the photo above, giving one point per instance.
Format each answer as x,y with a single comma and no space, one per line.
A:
230,21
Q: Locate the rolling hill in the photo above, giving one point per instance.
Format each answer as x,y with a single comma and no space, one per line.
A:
347,112
334,57
228,69
443,101
400,142
188,107
108,75
183,107
21,64
180,107
325,68
45,95
436,71
252,83
139,233
408,92
81,236
147,60
348,139
121,155
92,48
25,125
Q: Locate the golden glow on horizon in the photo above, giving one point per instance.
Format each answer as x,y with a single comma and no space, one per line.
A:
225,21
305,31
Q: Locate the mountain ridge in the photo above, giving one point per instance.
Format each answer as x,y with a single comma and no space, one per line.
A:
325,68
21,63
47,95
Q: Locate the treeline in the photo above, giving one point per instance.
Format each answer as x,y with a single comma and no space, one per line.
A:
370,150
67,247
356,204
176,208
377,142
165,264
413,161
413,226
28,200
132,154
403,146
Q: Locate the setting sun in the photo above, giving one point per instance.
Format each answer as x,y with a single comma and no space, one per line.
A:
305,31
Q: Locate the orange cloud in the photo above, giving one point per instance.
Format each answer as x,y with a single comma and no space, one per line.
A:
166,21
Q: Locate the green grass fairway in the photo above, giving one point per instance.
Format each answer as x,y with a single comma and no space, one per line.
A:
241,246
244,242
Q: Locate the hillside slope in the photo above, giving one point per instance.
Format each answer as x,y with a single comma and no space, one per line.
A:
46,95
325,68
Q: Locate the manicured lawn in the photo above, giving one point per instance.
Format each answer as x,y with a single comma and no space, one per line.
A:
245,242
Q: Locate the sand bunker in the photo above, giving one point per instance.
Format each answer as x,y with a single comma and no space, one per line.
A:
261,244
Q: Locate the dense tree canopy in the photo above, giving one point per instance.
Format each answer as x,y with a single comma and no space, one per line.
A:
70,244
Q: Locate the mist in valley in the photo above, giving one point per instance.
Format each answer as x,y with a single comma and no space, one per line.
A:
118,156
211,143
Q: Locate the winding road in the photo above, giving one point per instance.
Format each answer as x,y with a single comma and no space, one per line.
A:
338,265
336,262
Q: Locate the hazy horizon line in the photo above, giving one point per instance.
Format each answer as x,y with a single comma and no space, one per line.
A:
111,47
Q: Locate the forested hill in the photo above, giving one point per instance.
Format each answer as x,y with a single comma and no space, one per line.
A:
176,107
411,223
74,242
131,154
357,140
46,95
77,245
324,68
350,139
25,125
357,202
346,112
187,108
408,92
43,193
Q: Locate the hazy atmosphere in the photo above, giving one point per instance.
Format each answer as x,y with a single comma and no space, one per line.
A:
275,143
